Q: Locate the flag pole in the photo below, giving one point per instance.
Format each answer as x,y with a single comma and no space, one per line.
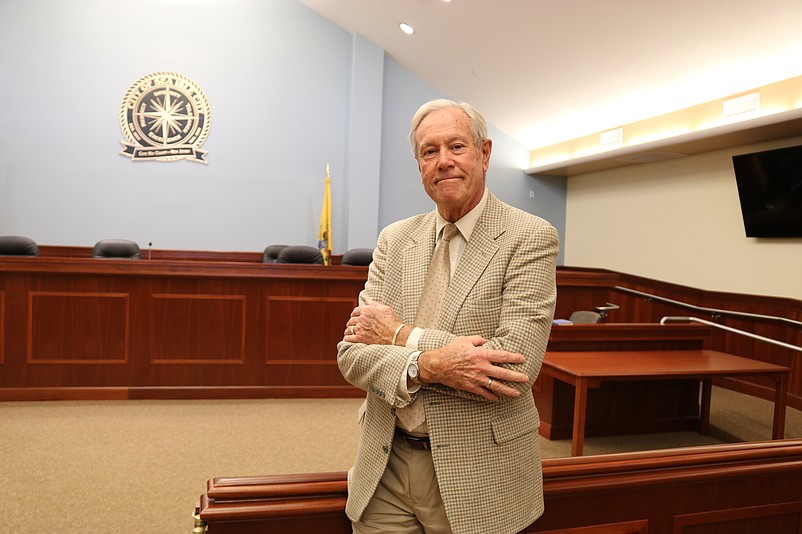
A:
324,234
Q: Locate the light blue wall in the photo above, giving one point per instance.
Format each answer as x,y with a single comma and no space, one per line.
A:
363,160
289,92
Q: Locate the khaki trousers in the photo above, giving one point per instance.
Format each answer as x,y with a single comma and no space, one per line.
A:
407,500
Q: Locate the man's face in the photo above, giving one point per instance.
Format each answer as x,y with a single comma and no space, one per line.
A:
452,166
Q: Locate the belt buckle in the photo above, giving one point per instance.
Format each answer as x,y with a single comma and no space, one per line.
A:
416,442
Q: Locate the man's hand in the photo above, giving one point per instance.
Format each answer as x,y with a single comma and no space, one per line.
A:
463,364
372,323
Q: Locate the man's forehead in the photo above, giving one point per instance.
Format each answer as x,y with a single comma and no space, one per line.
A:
443,128
439,137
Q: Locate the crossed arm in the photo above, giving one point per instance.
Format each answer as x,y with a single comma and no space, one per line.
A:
461,364
501,364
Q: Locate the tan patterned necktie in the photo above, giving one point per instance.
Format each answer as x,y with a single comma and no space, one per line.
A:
428,315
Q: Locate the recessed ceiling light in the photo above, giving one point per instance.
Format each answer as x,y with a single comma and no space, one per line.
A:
406,28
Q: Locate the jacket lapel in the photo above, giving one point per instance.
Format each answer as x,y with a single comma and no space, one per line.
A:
417,256
477,255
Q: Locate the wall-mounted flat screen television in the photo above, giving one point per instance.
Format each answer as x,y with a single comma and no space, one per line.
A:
770,191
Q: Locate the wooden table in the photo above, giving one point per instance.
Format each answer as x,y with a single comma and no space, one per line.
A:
588,369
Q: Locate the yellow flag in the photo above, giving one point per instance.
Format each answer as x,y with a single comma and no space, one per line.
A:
324,235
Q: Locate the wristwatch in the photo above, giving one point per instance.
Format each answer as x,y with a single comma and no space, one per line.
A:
413,372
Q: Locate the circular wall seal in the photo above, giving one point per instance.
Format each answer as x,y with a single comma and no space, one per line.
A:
165,117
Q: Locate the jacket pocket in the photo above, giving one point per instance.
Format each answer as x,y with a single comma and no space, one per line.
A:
513,426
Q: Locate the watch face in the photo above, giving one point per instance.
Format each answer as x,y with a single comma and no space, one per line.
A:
413,371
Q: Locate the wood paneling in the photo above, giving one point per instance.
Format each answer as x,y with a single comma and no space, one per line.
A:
173,328
738,488
300,328
628,336
74,327
193,329
784,517
198,322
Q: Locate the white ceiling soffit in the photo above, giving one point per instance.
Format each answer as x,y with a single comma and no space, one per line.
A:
546,71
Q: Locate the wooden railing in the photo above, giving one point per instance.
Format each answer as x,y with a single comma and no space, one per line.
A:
747,487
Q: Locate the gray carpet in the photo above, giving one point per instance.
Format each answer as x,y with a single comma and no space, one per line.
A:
139,466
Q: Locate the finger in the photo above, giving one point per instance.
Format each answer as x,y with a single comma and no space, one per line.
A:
477,341
508,375
500,356
500,388
486,393
505,390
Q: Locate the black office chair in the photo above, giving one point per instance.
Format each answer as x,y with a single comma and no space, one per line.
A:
116,248
15,245
358,256
585,317
300,254
270,254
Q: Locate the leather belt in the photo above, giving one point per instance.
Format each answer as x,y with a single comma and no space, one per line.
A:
420,443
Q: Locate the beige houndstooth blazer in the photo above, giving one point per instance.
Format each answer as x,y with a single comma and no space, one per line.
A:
485,454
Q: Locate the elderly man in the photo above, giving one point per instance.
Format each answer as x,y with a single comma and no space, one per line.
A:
449,335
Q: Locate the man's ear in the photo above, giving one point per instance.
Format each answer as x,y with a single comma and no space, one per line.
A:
487,148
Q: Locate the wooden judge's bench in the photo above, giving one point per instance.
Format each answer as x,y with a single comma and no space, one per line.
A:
180,325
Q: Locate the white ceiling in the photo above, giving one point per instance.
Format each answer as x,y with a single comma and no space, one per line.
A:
544,71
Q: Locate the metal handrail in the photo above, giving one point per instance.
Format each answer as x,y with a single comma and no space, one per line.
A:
711,311
667,319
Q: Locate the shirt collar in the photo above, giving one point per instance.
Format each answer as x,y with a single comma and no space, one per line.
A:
468,221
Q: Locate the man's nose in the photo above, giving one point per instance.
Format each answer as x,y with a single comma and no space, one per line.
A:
445,158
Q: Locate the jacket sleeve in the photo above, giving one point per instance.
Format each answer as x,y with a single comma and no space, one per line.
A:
377,369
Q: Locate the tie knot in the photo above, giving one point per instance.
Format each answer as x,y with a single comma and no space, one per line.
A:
449,231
